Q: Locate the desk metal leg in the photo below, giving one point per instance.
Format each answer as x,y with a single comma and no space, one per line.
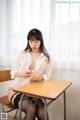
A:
64,105
45,109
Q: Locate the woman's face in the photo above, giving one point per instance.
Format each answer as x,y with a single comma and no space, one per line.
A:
34,44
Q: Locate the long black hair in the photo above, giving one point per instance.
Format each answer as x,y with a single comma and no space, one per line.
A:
38,35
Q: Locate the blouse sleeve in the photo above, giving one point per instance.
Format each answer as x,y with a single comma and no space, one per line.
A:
15,67
48,69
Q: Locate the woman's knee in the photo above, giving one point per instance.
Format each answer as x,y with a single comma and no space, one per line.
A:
40,115
31,109
28,107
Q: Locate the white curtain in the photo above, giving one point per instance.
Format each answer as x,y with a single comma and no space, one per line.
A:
67,34
59,22
17,17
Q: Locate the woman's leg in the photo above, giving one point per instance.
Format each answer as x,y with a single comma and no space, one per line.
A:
29,109
40,110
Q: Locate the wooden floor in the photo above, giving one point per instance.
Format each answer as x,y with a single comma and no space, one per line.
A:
10,116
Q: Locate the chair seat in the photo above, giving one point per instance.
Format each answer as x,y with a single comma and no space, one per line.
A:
4,100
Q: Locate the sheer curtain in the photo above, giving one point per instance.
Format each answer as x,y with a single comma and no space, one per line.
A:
17,17
59,21
67,34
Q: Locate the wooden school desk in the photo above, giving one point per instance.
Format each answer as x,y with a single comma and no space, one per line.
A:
50,90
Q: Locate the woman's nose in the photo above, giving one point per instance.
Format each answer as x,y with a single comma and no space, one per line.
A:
33,43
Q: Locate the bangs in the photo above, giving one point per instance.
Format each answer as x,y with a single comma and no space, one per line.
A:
33,37
34,34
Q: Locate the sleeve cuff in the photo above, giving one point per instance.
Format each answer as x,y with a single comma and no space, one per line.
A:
13,74
45,77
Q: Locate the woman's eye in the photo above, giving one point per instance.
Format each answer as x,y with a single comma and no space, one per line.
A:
30,41
36,41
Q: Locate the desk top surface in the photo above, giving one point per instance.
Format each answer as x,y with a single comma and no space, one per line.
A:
50,89
4,68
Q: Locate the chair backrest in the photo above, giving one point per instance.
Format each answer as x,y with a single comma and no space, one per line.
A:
5,74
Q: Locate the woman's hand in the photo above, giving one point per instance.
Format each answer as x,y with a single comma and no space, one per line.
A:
23,74
35,76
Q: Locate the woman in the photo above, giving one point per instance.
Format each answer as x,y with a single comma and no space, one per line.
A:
32,66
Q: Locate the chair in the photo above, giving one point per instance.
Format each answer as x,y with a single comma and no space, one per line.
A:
4,102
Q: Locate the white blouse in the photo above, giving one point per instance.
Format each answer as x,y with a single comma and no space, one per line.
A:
22,64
